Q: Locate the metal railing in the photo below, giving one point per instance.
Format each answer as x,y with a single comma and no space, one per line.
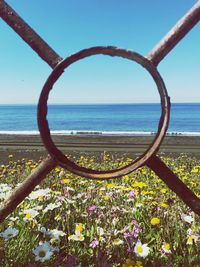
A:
56,157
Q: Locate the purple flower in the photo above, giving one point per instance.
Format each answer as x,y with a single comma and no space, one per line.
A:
92,208
132,194
132,235
94,243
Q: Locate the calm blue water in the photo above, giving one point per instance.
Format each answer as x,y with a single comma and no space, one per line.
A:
106,118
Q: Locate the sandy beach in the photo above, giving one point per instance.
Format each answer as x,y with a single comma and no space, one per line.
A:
31,147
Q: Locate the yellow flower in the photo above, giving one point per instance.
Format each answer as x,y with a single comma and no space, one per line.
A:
128,263
138,264
193,183
80,237
34,223
32,166
79,228
192,239
163,190
164,205
195,169
144,171
106,198
117,242
166,248
139,184
57,170
126,177
155,221
76,237
66,181
149,192
28,216
122,188
110,186
10,158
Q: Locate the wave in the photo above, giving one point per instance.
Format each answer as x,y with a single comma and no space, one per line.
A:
103,133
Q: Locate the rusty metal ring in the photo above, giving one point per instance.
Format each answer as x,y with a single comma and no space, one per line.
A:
63,160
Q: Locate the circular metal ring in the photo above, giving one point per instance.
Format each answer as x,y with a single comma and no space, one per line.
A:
43,125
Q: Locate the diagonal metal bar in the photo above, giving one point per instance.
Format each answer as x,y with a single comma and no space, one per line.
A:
23,190
28,35
52,58
172,38
174,183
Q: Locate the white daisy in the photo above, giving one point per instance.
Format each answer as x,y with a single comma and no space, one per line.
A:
56,234
52,206
5,187
39,193
9,232
141,250
4,191
13,219
30,214
166,248
43,252
76,237
187,218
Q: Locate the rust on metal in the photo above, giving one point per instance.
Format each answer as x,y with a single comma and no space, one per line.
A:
28,35
43,125
152,161
174,183
24,189
173,37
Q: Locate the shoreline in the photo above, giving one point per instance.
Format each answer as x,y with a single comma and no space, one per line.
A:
99,133
31,147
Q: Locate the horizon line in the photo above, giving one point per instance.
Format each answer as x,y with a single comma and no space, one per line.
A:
102,103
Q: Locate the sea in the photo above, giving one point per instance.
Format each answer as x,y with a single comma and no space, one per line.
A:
101,119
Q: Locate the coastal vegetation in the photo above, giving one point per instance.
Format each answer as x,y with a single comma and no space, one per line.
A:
67,220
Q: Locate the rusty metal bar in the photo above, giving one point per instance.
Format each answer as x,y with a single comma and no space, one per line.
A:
28,35
43,125
174,183
52,58
26,187
182,27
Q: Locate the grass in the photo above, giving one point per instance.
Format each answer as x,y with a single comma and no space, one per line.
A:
134,220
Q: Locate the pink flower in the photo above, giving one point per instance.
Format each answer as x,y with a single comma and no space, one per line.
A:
92,208
94,243
132,194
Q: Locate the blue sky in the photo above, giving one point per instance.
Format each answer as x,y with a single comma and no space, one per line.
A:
71,25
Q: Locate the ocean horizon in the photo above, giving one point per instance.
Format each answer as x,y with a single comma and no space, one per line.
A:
101,119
